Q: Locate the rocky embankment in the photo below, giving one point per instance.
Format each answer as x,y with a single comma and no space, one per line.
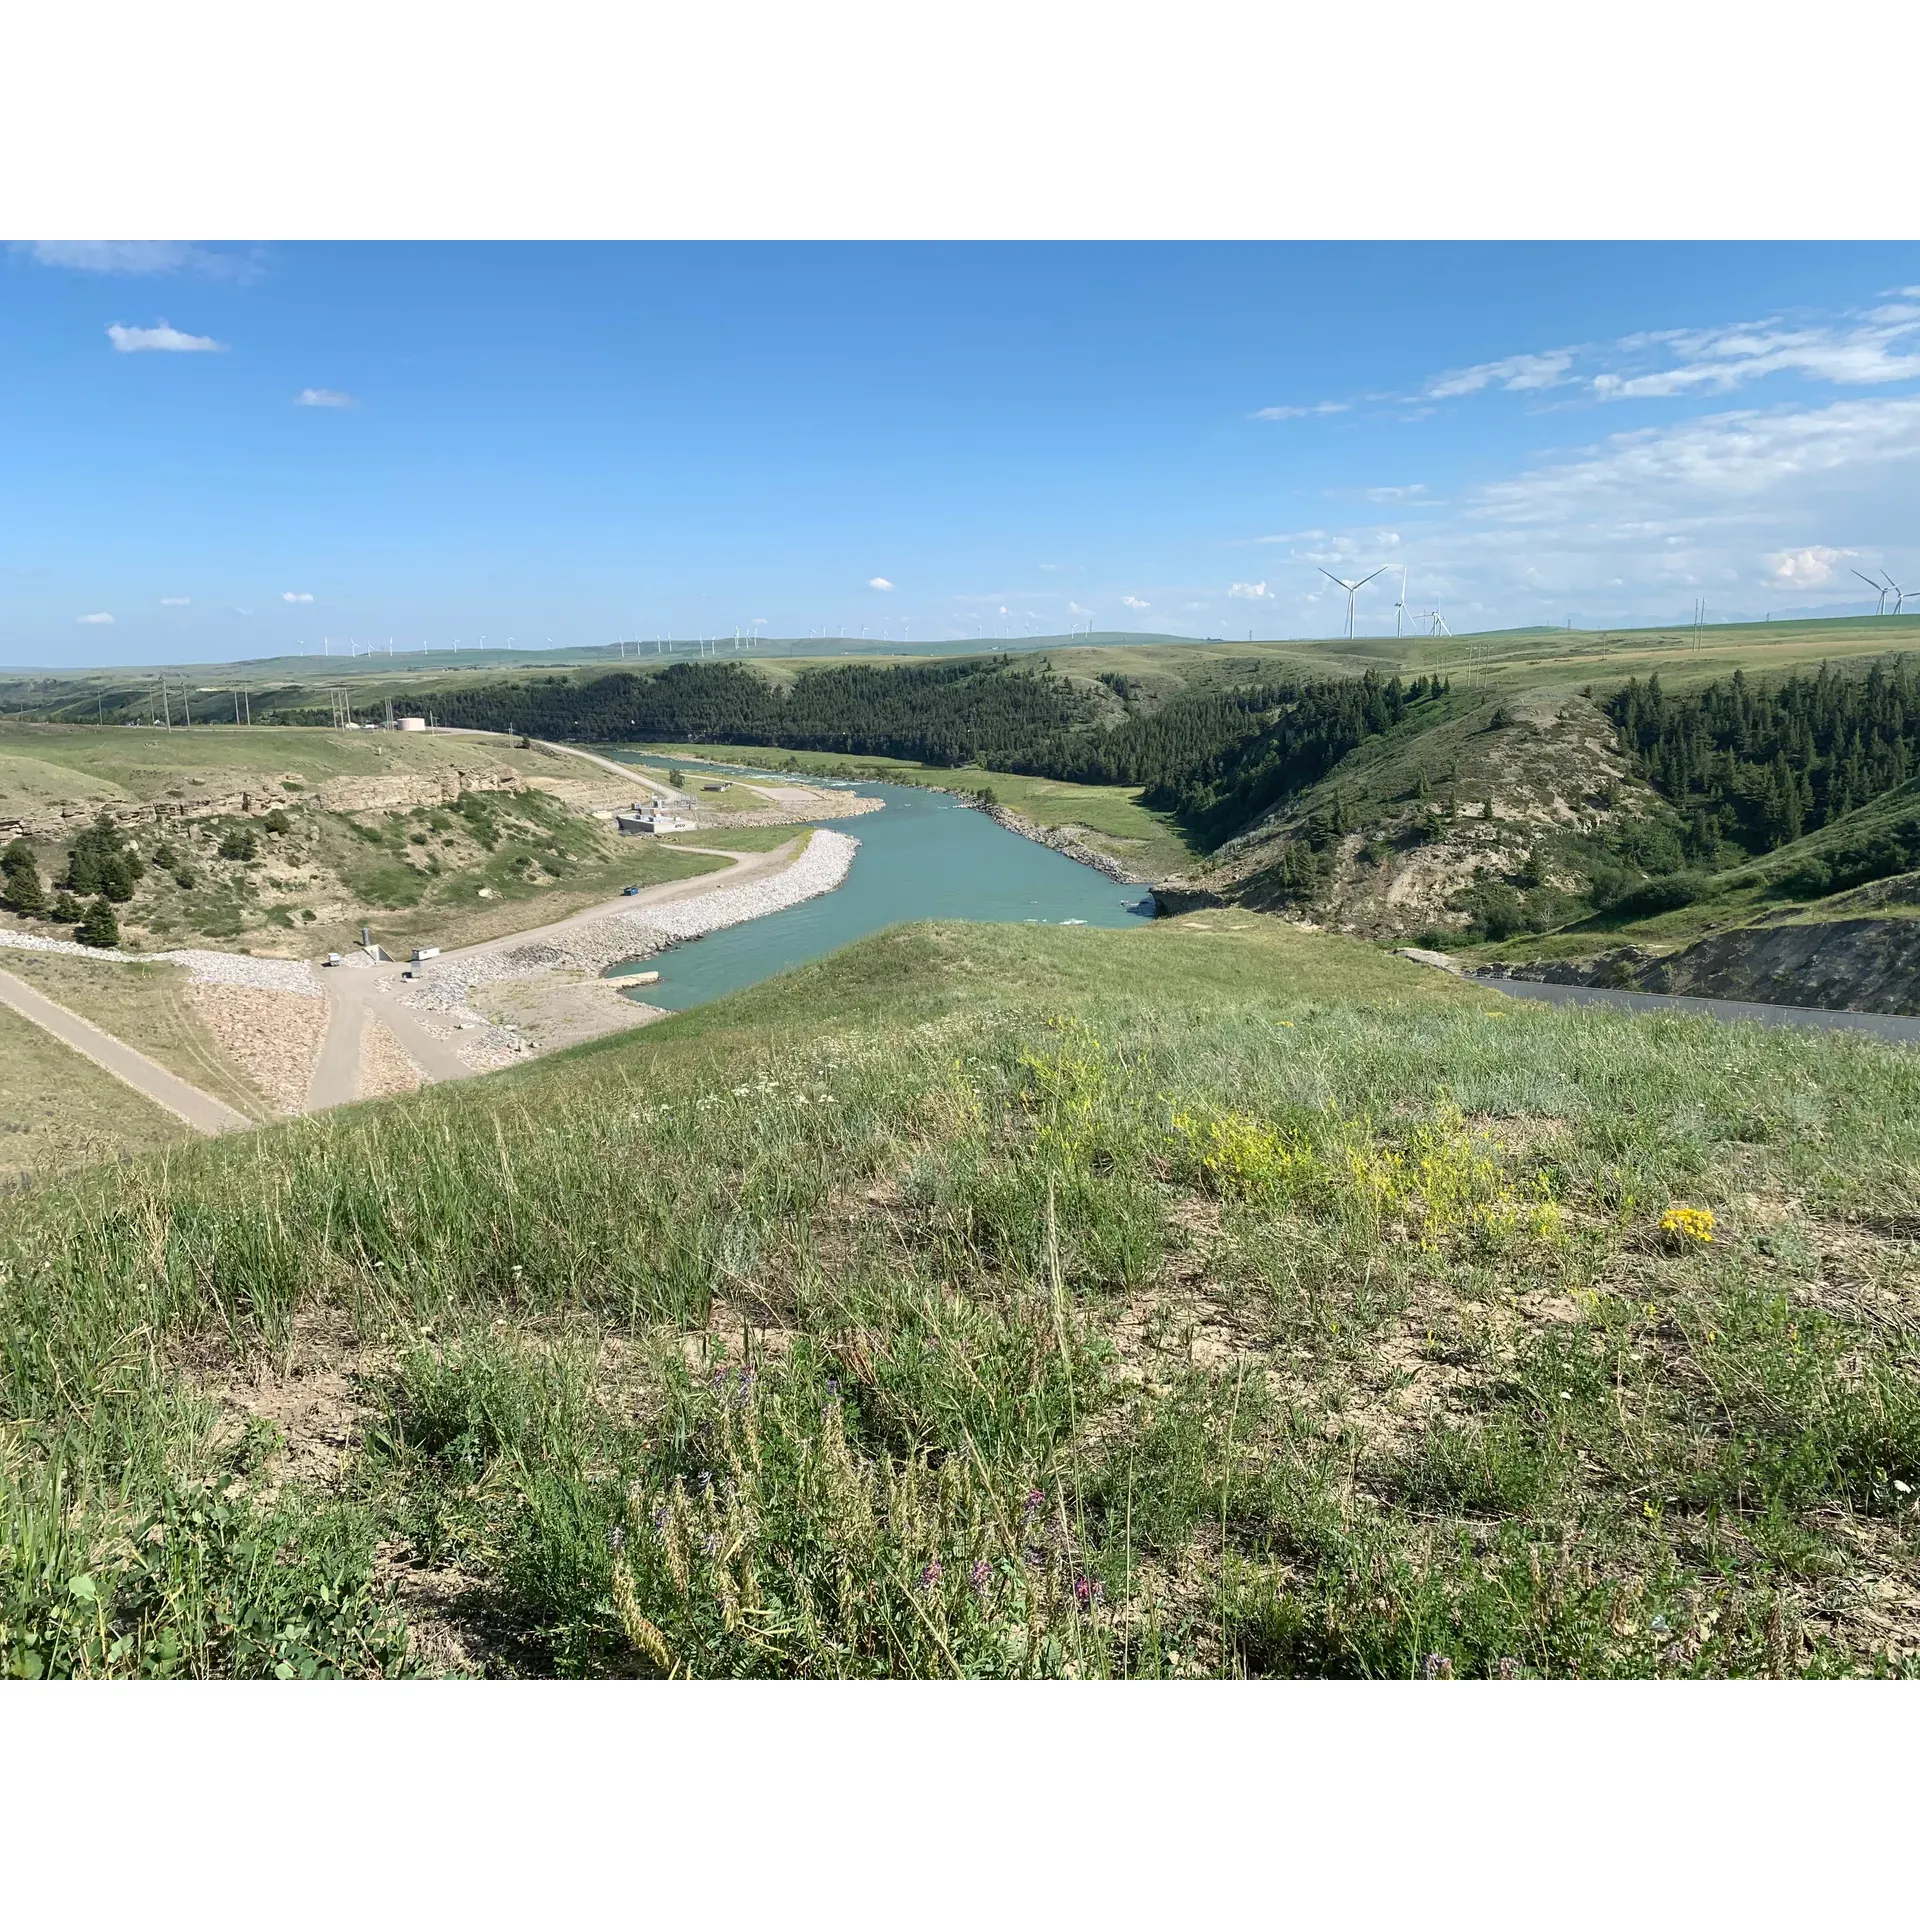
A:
1060,839
1862,966
606,940
208,967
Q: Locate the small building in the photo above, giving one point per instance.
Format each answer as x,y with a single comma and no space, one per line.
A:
643,822
410,723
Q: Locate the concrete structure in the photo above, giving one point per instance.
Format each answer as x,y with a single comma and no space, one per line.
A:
643,822
410,723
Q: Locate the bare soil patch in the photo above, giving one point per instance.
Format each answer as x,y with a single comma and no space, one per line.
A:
275,1037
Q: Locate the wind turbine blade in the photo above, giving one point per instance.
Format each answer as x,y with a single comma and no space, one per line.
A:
1374,575
1858,575
1337,581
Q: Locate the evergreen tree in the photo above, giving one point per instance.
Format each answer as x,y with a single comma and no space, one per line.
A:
23,893
98,927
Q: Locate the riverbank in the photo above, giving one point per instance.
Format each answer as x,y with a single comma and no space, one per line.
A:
1060,839
591,945
1143,846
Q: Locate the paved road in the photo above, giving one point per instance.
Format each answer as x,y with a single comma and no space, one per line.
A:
1884,1026
201,1111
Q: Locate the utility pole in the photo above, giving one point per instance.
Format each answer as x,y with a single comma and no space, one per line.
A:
166,711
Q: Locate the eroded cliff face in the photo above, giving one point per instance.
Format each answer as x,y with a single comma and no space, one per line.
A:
1864,966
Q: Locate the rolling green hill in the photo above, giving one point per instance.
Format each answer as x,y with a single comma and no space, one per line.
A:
1214,1298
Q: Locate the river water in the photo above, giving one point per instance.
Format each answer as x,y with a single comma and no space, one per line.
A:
923,856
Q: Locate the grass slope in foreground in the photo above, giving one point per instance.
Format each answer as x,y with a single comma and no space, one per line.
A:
1209,1299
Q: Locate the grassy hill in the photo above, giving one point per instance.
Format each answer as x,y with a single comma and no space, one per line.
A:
289,839
1209,1298
1504,810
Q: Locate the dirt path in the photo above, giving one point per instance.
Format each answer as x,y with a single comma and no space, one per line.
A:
201,1111
770,795
354,994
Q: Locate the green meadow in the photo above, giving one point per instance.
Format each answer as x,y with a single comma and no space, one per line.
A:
1210,1300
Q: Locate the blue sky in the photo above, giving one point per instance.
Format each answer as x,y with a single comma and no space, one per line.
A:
228,451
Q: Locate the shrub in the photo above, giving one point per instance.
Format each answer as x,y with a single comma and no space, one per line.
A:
1805,880
277,822
1665,894
240,843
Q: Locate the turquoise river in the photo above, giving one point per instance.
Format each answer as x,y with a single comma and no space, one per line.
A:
923,856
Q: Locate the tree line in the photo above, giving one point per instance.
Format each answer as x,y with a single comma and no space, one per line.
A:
1758,766
1215,759
945,713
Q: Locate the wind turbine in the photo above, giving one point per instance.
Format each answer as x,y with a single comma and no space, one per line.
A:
1350,588
1881,607
1400,605
1898,596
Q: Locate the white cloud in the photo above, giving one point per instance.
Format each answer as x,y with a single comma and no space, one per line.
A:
1385,496
1319,411
297,599
322,397
1711,465
1719,359
1247,590
1518,373
95,620
175,600
161,339
880,584
1744,507
139,257
1806,566
1138,605
1077,610
1865,348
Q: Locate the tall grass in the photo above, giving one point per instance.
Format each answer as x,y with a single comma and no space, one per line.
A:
986,1302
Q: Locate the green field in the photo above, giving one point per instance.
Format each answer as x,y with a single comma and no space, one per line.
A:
1209,1299
149,1007
60,1112
150,763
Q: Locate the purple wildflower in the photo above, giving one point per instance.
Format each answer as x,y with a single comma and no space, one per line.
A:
978,1575
1083,1592
1034,1502
1509,1668
1438,1667
930,1573
660,1517
616,1537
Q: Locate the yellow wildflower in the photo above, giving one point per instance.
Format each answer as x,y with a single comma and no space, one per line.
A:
1687,1227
